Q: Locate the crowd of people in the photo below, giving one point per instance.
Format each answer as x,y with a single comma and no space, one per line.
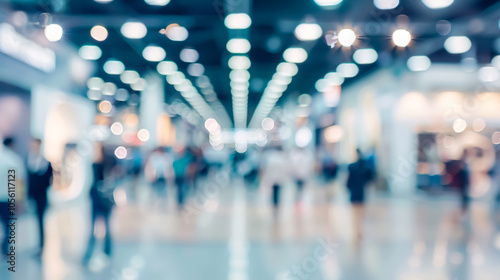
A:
180,167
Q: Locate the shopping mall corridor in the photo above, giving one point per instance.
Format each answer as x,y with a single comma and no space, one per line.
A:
233,233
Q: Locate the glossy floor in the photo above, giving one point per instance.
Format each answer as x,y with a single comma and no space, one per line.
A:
231,232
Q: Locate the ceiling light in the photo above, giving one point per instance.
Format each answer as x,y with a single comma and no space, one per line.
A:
90,52
401,38
99,33
195,69
166,67
53,32
134,30
308,31
334,79
154,53
419,63
346,37
348,70
177,33
488,74
386,4
295,55
129,77
239,62
189,55
238,46
326,3
157,2
457,44
287,69
365,56
437,4
95,83
113,67
238,21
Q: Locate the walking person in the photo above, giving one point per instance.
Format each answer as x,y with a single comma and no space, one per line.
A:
462,182
274,172
183,171
101,196
39,181
359,175
302,163
12,171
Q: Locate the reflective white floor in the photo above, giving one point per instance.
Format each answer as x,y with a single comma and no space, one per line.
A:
234,234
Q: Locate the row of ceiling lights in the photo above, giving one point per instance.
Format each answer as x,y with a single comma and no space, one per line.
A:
389,4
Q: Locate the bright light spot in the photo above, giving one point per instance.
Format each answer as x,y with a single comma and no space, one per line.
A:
129,76
94,94
121,152
295,55
267,124
238,21
478,125
175,78
157,2
287,69
334,79
327,3
105,106
419,63
437,4
99,33
166,67
365,56
305,100
177,33
153,53
103,1
53,32
238,46
131,119
114,67
346,37
496,62
386,4
108,89
495,139
459,125
139,85
143,135
90,52
303,137
347,70
457,44
212,126
401,38
239,75
488,74
308,31
320,85
189,55
117,128
239,62
195,69
95,83
134,30
333,134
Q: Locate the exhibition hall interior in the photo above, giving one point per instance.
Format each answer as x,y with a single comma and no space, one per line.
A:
250,139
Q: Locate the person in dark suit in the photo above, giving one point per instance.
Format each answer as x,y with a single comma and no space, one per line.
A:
39,181
359,176
101,196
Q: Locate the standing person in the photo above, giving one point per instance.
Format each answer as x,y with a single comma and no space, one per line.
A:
39,181
462,181
183,164
101,196
274,172
359,175
11,167
159,170
302,163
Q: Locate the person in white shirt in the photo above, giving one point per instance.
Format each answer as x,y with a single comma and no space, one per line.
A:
11,167
302,163
274,172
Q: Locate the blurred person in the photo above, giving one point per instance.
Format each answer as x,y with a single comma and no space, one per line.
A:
39,180
11,167
136,168
101,196
462,182
359,175
274,172
159,170
183,172
496,179
302,164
